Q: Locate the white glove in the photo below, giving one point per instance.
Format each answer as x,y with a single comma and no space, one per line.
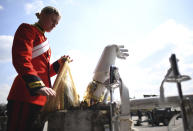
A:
107,59
121,52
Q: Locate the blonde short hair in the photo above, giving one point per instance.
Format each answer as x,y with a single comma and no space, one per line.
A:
48,10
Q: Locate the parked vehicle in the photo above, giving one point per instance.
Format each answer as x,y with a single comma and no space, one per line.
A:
157,116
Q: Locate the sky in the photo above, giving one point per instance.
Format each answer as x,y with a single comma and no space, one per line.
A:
151,30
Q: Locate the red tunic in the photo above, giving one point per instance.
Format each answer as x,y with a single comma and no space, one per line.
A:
33,73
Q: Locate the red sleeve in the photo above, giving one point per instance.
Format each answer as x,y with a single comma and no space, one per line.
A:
22,57
22,50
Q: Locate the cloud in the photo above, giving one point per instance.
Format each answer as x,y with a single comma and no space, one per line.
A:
37,5
34,7
4,92
1,7
71,2
53,2
148,62
170,37
168,33
5,48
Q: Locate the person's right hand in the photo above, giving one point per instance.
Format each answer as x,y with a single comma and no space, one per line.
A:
64,59
45,91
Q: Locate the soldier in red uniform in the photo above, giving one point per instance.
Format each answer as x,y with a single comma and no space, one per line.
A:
31,59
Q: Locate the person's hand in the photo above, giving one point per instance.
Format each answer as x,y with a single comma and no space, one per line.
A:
64,59
45,91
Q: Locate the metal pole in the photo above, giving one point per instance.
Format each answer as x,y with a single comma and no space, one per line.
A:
111,112
182,106
176,72
112,78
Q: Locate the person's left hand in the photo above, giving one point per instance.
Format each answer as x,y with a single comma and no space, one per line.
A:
64,59
45,91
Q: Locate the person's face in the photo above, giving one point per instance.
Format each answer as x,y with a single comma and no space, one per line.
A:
48,21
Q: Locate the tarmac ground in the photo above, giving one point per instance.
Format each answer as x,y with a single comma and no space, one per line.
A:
175,125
